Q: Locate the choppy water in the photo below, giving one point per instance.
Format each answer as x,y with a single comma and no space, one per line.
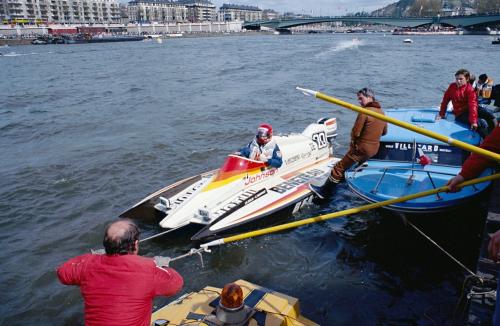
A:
88,130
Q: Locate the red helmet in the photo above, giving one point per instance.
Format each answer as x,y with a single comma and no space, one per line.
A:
264,133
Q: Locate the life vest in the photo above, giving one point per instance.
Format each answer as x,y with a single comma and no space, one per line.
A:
486,88
256,150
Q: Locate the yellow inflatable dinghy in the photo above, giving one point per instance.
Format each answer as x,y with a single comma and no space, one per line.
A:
238,303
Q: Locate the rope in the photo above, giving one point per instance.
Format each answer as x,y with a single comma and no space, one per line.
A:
465,299
162,233
444,251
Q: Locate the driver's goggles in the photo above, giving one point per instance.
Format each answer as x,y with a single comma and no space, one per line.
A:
262,134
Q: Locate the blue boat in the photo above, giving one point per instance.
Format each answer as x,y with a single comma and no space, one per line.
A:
407,163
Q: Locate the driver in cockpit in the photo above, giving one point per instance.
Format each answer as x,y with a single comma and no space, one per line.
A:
263,147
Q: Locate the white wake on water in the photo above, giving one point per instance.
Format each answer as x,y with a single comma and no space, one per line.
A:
14,54
341,46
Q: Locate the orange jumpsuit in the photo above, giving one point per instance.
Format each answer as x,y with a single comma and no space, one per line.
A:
365,141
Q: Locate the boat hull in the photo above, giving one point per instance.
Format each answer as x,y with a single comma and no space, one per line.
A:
400,180
409,163
144,211
270,202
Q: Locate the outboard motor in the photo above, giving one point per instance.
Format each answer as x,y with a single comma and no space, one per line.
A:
331,127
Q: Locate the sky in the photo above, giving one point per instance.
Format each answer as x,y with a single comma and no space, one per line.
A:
313,7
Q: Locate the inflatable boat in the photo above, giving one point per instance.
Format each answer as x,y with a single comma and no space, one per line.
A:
240,303
244,191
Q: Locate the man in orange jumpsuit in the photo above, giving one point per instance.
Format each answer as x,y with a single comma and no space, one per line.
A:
365,141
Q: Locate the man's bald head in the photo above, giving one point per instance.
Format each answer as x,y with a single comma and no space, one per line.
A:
120,238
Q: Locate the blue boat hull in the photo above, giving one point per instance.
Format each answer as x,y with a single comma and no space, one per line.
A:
371,184
395,172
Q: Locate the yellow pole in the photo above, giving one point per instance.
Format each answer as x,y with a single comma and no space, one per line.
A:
403,124
346,212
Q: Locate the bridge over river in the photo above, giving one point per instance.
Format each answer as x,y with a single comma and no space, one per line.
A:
467,22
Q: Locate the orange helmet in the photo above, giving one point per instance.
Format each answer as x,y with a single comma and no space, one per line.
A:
264,133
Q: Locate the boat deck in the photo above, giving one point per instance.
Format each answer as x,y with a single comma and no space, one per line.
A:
426,118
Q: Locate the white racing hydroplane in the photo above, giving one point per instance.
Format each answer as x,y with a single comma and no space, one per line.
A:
244,191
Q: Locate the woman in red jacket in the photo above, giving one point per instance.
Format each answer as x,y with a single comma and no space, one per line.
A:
464,100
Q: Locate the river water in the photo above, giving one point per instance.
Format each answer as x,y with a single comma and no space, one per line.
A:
88,130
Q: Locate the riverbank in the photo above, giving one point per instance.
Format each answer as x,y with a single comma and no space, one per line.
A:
27,41
11,42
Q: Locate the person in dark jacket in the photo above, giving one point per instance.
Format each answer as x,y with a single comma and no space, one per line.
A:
118,287
365,142
263,147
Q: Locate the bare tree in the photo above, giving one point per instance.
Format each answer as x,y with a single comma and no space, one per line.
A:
421,8
488,6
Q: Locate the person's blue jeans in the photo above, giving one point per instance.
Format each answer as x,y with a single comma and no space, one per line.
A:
482,125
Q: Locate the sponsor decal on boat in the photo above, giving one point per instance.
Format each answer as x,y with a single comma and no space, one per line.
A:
298,157
245,198
292,159
297,181
191,191
249,179
409,146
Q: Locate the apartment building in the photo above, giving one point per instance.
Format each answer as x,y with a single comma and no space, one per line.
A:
230,12
60,11
157,11
200,10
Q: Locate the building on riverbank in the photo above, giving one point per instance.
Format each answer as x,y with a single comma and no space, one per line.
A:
200,10
60,11
162,11
230,12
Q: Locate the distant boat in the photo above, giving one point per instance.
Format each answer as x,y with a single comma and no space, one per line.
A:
38,42
427,32
88,38
407,40
106,39
153,36
497,41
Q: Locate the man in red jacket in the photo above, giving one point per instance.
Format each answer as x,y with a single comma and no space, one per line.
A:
475,163
472,167
118,288
464,100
